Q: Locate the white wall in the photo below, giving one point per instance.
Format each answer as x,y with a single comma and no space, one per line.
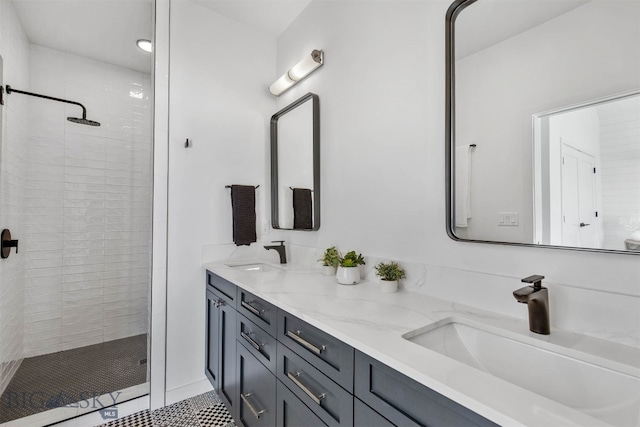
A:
551,66
219,74
87,244
382,103
14,49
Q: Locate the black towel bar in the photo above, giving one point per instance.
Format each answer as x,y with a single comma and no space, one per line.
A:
229,186
291,188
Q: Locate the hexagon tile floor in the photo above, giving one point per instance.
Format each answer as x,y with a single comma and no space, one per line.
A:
58,379
205,410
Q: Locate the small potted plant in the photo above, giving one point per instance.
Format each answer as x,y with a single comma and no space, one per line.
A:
348,271
389,273
330,261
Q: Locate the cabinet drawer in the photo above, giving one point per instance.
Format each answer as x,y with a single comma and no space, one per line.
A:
363,416
325,398
404,401
333,357
292,412
222,288
258,342
256,386
257,310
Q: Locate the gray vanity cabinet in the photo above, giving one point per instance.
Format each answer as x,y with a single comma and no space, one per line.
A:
271,368
405,402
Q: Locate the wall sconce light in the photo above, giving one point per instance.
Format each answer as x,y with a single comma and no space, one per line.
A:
297,73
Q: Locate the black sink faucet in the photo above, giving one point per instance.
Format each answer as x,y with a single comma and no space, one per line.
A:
282,251
537,299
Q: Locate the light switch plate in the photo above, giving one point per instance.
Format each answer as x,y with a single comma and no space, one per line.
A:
508,219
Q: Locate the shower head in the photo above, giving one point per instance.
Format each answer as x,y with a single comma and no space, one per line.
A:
83,121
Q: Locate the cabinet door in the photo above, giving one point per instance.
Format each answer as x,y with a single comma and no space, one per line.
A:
292,412
406,402
227,384
212,340
256,390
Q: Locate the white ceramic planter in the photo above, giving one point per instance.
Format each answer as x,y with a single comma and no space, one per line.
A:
388,286
328,270
348,275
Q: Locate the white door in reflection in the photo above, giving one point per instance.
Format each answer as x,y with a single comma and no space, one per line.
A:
579,222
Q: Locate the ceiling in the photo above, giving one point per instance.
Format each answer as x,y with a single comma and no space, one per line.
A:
104,30
486,23
269,16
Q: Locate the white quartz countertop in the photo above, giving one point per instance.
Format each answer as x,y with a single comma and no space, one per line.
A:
374,322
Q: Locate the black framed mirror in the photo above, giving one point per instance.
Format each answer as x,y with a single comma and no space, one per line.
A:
542,103
295,165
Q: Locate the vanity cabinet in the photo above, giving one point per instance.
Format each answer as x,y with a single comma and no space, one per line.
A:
271,368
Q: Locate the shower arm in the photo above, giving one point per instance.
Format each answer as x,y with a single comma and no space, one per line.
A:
37,95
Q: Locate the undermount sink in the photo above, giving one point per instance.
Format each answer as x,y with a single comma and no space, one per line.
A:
254,267
587,386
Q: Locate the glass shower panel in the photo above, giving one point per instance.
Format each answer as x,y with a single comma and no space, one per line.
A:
76,192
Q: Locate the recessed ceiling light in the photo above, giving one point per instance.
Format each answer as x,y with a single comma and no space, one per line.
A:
145,45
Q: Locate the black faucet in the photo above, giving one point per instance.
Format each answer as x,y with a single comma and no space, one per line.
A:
537,299
280,249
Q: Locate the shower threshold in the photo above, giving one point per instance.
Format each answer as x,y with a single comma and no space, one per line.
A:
77,381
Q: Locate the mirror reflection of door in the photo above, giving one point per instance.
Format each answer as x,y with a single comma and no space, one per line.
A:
579,220
587,174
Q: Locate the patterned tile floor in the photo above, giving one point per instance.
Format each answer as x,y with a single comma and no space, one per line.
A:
205,410
58,379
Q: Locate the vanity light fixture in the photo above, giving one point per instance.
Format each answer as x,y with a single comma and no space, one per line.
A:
145,45
297,73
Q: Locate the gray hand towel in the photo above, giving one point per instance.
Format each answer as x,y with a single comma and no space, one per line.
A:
243,205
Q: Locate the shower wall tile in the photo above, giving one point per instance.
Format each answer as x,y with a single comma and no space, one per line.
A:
14,201
89,204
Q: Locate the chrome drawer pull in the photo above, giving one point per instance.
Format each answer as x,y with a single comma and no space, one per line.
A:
256,414
250,341
251,308
294,377
297,338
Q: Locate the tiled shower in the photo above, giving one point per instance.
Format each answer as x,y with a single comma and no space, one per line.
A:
78,198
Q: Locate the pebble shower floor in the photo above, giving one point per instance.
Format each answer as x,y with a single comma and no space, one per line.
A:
205,410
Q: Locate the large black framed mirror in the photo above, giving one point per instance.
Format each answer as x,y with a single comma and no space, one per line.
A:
295,165
543,123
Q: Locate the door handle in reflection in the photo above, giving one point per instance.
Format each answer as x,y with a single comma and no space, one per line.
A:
582,224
